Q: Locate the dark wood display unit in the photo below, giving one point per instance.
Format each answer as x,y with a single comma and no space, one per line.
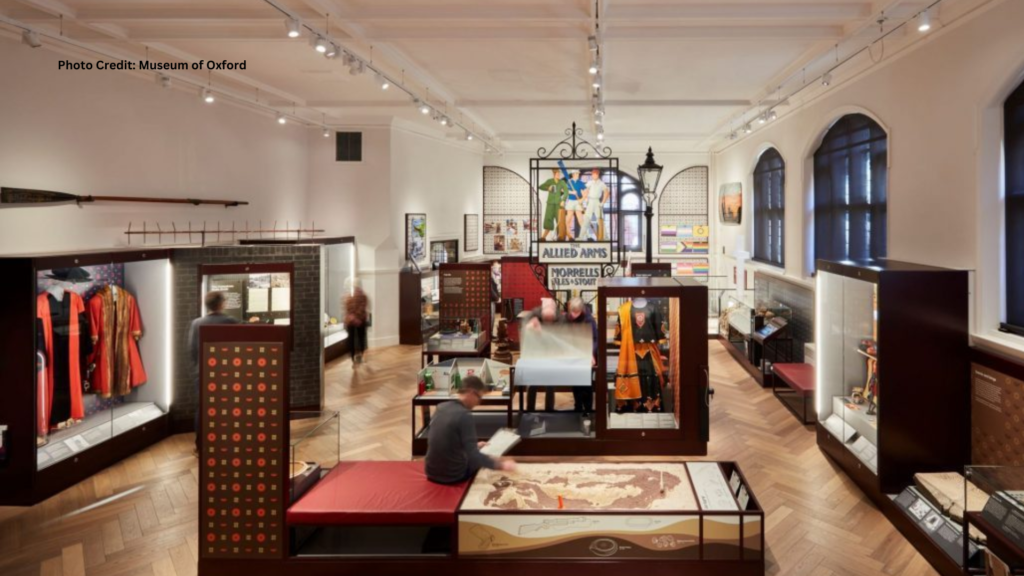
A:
415,322
917,317
24,482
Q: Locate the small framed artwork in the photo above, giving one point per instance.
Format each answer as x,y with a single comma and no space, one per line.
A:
416,237
471,232
730,203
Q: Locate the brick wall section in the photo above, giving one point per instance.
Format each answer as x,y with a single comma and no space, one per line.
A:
307,353
800,299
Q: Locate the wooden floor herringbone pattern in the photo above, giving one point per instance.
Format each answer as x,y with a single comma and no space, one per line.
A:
138,518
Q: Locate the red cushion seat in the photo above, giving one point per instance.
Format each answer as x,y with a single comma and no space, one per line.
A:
799,377
377,494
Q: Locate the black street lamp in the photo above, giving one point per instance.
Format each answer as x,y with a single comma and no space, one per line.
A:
649,173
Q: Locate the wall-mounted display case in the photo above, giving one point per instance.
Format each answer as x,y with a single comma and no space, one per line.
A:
893,372
87,342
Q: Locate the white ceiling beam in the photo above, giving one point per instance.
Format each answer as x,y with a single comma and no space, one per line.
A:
582,103
581,31
729,10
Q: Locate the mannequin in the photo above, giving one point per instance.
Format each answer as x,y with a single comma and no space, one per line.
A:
65,347
638,380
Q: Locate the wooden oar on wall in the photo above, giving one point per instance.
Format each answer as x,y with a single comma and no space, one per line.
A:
24,196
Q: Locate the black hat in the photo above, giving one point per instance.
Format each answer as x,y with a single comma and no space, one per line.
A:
70,275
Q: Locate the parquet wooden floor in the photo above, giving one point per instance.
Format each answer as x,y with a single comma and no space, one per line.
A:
138,518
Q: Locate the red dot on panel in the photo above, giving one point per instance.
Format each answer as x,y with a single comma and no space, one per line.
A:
261,512
261,362
212,362
212,387
236,462
210,512
236,437
261,537
211,462
211,537
237,362
236,537
261,462
261,387
237,412
237,387
211,487
236,487
261,437
212,411
262,412
211,436
236,512
261,487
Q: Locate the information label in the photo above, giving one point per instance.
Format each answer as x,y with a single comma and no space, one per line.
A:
581,277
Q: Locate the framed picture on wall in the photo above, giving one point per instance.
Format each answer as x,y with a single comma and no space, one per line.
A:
471,232
730,203
416,237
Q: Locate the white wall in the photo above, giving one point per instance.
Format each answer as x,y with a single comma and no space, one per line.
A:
403,170
936,102
113,133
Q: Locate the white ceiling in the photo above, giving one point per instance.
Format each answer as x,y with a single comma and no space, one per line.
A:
676,71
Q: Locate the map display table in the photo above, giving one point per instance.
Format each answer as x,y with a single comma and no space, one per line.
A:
677,511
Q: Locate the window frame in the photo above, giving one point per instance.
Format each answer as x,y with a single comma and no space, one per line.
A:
630,185
770,171
837,172
1013,215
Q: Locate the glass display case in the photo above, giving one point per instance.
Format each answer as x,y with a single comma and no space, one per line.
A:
255,293
419,302
736,320
439,383
314,450
338,261
653,360
457,337
87,359
994,516
898,330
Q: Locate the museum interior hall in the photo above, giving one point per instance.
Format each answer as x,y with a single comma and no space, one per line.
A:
512,287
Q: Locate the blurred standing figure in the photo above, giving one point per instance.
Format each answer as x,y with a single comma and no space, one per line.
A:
356,322
214,302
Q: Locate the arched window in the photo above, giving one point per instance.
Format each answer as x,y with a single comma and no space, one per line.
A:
631,210
850,181
1014,153
769,208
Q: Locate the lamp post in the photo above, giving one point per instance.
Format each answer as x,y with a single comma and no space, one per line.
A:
649,173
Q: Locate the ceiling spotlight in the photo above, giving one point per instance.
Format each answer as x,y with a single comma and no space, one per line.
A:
469,135
600,135
294,27
772,115
444,121
597,81
599,110
826,79
384,84
424,108
357,67
594,67
163,81
747,128
592,43
597,120
327,132
733,135
320,45
924,21
206,95
281,119
762,118
31,39
488,149
332,50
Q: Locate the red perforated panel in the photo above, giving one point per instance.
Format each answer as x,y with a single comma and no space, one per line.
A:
519,281
243,459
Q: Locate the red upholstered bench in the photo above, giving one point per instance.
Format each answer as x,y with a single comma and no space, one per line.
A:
377,494
800,382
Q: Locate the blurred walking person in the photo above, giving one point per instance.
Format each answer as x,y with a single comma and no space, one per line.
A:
357,320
